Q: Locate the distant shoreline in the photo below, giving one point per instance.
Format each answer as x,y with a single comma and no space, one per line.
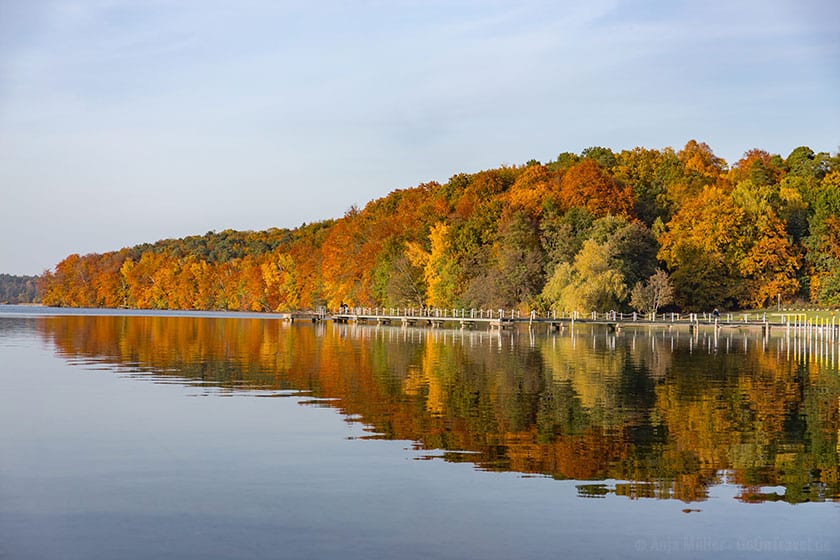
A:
40,310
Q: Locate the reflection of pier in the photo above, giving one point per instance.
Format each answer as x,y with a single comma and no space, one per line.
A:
801,342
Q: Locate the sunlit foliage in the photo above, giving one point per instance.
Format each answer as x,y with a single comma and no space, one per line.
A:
576,233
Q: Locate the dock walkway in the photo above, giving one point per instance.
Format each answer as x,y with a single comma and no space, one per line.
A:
502,319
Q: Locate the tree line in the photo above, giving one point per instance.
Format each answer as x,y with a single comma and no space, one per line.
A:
18,289
599,230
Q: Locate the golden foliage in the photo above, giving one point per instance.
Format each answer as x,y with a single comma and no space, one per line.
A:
746,231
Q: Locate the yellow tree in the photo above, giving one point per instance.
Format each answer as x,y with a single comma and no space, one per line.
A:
341,271
531,190
306,251
278,272
197,279
770,266
590,284
703,246
439,266
698,167
699,159
138,280
710,220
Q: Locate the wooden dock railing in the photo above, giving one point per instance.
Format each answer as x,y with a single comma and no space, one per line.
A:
501,318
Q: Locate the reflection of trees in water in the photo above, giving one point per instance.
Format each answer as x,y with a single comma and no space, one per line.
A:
665,410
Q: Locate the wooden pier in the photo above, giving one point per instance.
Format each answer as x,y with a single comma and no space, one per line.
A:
614,321
410,318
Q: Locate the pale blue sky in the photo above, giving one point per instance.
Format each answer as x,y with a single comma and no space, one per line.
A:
126,121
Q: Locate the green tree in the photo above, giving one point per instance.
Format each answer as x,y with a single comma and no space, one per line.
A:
633,249
641,170
564,161
514,275
704,279
794,209
604,156
562,236
590,284
803,162
18,289
823,243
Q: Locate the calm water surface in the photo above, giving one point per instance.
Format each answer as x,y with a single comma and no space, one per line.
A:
211,436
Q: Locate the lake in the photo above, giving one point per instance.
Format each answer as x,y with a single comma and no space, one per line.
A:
144,435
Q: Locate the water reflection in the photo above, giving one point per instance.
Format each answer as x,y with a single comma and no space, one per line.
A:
666,413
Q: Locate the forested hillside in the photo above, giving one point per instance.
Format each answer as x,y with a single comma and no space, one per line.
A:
18,289
595,231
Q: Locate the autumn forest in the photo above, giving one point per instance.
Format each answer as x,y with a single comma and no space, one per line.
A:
589,231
